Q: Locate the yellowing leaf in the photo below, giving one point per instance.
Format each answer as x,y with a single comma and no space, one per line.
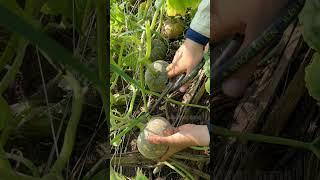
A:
175,7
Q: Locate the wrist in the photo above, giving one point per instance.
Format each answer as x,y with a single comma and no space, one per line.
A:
196,47
196,37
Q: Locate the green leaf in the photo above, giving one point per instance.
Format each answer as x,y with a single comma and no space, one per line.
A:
103,174
140,175
175,7
207,86
67,9
310,18
312,77
51,47
116,176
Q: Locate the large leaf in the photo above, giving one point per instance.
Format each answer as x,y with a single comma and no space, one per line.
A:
310,18
175,7
312,77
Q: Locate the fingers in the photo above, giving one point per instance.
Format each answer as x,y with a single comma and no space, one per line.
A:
174,69
169,131
155,139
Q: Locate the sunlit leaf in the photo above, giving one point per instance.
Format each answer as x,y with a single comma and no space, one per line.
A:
116,176
180,7
140,175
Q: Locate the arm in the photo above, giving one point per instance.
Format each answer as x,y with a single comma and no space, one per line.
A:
191,51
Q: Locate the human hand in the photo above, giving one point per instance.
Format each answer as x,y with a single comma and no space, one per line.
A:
186,58
182,137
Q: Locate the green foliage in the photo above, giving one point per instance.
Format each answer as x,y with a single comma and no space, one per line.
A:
5,114
140,175
69,9
310,18
180,7
116,176
103,174
206,68
312,77
51,47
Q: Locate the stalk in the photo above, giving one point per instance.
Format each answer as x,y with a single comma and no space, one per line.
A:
102,32
70,134
259,138
10,75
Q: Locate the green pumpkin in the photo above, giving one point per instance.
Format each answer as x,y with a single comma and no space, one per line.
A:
172,29
157,82
155,126
158,51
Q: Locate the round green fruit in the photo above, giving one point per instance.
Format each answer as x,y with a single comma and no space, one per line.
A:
155,126
172,29
158,51
158,81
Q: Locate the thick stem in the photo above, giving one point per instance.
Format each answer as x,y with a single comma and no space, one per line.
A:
260,138
70,134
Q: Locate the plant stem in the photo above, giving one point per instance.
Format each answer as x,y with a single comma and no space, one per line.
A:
155,16
29,164
260,138
69,137
134,95
141,73
10,75
175,169
9,51
161,18
183,168
102,32
148,4
6,171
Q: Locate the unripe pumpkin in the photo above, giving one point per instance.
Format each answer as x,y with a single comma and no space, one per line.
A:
155,126
158,81
172,29
158,51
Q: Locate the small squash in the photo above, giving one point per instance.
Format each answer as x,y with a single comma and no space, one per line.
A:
158,51
172,29
156,126
157,82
